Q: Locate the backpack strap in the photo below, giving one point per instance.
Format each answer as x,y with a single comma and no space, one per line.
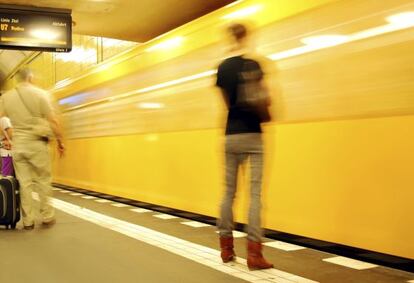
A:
24,103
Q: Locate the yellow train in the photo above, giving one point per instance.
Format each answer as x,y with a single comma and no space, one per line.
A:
148,125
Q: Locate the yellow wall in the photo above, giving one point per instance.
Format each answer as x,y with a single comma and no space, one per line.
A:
348,182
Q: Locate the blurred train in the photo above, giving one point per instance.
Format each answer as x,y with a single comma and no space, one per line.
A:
149,124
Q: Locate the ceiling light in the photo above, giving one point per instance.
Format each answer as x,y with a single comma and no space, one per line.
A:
167,44
405,19
242,13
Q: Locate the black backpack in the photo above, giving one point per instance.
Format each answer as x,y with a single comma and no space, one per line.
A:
252,95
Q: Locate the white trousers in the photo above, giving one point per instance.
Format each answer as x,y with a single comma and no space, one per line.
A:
33,171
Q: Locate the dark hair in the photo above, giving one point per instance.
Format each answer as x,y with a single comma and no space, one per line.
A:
238,31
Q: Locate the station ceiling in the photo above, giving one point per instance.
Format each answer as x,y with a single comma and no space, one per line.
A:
134,20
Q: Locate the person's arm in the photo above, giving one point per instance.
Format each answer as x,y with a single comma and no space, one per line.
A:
2,110
9,132
9,136
225,97
220,82
57,131
48,112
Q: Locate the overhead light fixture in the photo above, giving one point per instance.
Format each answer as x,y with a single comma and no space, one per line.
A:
167,44
242,13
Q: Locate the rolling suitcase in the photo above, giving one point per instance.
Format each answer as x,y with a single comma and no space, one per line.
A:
9,202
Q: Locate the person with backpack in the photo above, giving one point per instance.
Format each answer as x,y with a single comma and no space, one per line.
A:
240,80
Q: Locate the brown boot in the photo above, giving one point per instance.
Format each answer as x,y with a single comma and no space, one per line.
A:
255,259
227,252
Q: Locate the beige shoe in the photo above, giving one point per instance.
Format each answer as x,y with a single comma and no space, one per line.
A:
30,227
49,224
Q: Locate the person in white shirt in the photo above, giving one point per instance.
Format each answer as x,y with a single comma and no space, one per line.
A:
5,152
27,105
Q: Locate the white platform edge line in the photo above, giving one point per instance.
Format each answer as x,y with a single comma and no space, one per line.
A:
141,210
195,224
102,200
165,216
280,245
120,205
192,251
350,263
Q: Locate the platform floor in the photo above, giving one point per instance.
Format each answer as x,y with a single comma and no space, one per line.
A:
99,241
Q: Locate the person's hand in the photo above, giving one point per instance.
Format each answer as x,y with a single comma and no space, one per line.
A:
7,144
60,148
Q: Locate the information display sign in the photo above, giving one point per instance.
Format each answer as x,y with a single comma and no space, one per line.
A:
30,28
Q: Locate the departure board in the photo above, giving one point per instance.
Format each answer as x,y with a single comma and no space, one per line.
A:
30,28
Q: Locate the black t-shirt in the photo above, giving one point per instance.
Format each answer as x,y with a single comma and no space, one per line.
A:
239,120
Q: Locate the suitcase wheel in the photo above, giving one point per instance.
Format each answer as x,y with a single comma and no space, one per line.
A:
11,226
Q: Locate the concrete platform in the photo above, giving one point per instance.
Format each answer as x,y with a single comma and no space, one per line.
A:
111,242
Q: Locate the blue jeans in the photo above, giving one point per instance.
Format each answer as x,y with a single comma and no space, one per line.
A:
239,149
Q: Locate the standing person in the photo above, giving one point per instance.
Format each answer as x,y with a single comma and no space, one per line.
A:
28,106
6,157
243,141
